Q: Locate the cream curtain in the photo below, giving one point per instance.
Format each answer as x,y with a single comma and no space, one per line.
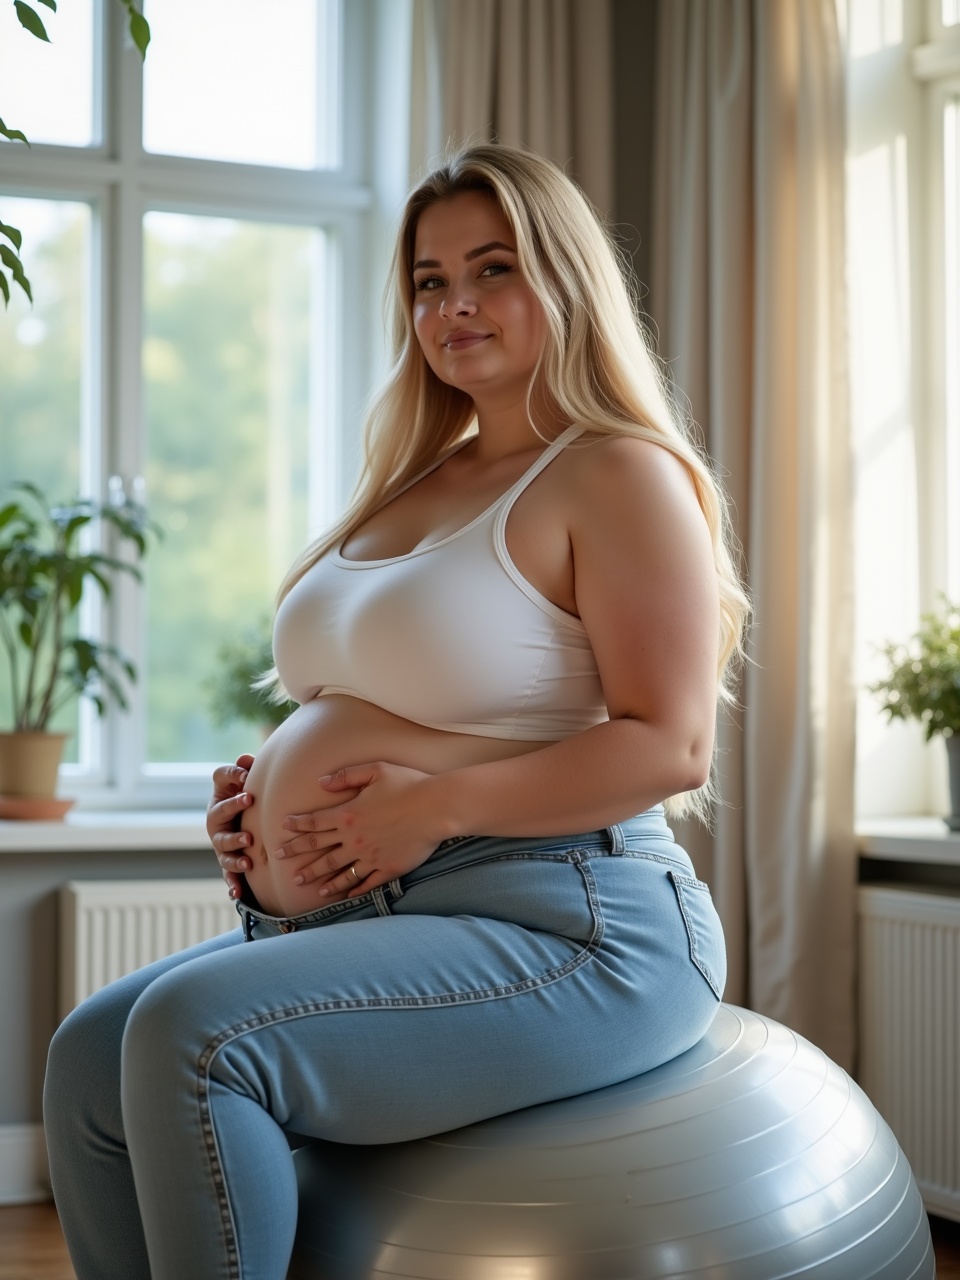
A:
534,73
748,296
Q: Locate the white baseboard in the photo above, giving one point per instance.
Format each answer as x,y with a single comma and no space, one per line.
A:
23,1164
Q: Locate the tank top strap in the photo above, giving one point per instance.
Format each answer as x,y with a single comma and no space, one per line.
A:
548,455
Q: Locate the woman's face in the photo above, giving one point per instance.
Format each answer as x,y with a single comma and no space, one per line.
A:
477,320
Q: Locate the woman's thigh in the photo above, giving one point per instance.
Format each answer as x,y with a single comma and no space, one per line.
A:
394,1026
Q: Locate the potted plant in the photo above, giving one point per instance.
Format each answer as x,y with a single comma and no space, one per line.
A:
233,692
923,683
45,565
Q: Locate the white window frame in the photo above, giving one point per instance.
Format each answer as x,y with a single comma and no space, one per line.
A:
934,66
121,183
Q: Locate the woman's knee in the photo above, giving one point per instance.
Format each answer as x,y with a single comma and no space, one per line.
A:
83,1061
170,1022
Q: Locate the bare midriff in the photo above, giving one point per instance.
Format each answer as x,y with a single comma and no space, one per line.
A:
320,737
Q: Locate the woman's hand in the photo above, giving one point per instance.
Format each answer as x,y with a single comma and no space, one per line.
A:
381,833
228,803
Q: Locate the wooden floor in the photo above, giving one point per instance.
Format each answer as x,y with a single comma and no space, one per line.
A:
32,1248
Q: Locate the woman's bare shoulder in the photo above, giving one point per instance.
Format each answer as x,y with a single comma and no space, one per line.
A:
629,468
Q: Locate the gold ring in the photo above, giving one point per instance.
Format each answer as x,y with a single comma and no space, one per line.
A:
354,870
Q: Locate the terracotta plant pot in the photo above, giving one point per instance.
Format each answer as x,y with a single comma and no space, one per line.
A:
29,762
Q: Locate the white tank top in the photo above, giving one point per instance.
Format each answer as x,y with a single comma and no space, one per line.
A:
451,636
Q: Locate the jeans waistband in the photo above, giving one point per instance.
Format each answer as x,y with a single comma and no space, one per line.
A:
646,835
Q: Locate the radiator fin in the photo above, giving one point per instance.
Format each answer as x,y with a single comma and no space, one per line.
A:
109,928
910,1029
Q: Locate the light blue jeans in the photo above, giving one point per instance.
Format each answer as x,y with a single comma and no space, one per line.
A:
499,974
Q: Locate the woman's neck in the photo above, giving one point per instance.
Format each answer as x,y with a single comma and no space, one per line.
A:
507,429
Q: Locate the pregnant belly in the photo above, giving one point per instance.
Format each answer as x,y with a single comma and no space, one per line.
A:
321,737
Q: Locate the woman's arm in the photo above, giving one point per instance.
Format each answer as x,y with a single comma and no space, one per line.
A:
646,590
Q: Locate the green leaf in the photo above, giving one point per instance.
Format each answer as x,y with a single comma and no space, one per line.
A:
12,234
4,289
13,134
140,31
15,267
74,523
26,633
51,4
139,27
30,19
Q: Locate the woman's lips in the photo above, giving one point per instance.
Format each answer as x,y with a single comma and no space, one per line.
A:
460,341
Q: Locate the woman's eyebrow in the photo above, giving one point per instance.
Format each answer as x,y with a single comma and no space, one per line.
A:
467,257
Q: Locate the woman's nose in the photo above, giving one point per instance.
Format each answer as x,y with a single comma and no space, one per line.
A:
457,302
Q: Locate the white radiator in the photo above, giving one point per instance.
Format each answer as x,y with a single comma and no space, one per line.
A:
910,1029
108,928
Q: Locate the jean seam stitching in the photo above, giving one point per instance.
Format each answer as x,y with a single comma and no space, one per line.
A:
569,855
653,857
227,1222
682,882
214,1046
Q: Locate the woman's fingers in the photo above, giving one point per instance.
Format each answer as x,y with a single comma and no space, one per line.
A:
355,778
226,807
234,884
228,779
222,812
353,881
318,821
318,858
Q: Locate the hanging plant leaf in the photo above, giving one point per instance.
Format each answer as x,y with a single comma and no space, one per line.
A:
15,267
12,234
139,27
14,135
31,20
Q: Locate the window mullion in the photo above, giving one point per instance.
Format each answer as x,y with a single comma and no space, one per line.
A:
125,447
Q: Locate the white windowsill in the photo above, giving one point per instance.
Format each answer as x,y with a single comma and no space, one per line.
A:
915,839
86,831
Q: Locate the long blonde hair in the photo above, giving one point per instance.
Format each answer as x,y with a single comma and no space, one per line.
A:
596,366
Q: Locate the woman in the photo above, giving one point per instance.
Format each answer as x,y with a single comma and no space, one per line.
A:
507,650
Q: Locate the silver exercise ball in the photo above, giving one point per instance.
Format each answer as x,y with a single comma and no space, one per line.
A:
752,1156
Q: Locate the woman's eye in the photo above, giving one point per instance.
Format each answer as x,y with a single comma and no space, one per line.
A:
427,283
495,268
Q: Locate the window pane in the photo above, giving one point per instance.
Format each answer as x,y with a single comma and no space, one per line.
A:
242,80
874,25
227,376
48,87
42,390
951,12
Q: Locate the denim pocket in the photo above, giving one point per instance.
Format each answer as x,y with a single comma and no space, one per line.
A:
704,931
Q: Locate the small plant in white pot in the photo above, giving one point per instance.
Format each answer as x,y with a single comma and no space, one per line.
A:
44,567
923,683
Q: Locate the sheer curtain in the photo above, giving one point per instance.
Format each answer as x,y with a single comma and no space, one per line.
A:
748,296
534,73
